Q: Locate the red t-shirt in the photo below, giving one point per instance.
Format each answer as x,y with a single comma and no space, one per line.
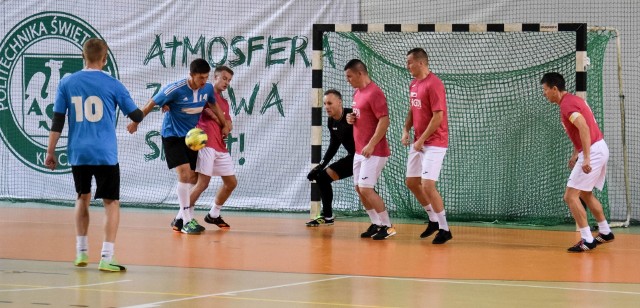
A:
213,130
369,105
426,97
570,104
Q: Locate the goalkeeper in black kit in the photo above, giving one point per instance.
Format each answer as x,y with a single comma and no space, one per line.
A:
341,134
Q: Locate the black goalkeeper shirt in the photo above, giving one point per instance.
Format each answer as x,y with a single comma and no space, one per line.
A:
341,134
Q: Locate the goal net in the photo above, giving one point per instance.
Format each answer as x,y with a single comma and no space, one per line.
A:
508,153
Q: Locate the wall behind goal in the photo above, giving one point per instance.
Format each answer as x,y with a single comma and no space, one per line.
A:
267,44
619,14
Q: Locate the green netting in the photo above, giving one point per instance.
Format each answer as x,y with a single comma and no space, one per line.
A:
507,157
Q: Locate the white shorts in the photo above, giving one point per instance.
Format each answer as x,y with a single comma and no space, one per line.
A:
587,181
213,163
426,164
366,171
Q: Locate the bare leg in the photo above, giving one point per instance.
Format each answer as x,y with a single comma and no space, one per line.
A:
82,214
229,183
572,198
112,219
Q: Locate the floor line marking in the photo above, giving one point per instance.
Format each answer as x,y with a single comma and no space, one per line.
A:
231,293
500,284
65,287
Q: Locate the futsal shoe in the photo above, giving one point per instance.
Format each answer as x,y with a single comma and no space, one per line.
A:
432,227
384,233
602,238
582,246
176,224
111,266
320,221
371,231
218,221
81,260
442,237
191,228
199,227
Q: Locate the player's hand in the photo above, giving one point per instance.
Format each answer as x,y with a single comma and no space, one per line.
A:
50,161
165,108
132,127
351,118
418,145
225,131
572,161
367,150
405,138
313,174
586,165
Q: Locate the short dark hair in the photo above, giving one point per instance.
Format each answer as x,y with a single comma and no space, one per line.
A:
94,49
356,65
419,54
553,80
334,92
199,66
222,68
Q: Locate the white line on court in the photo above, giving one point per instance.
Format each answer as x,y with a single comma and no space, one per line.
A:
64,287
157,304
500,284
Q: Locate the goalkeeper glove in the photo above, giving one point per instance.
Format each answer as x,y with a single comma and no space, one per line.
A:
313,174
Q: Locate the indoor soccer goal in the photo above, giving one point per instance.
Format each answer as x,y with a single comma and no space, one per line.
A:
507,156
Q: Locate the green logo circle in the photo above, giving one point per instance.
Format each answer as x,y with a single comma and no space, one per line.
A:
35,54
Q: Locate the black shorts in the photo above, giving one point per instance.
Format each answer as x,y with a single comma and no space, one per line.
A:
107,180
343,167
177,153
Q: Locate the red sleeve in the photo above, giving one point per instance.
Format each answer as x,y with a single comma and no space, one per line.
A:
379,106
437,97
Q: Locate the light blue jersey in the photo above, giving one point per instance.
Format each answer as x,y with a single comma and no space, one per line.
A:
185,106
89,98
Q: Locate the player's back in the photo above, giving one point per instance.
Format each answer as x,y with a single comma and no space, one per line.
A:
91,97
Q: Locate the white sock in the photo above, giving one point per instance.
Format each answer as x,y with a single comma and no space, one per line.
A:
442,220
373,215
585,233
191,208
107,251
215,210
183,200
603,227
384,218
432,215
82,244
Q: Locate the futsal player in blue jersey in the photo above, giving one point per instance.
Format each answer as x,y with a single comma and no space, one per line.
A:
183,101
90,97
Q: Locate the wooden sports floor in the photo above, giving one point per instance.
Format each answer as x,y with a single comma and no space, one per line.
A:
275,261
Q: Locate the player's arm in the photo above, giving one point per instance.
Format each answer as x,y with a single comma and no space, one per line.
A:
585,139
408,123
435,122
381,131
54,135
220,116
133,126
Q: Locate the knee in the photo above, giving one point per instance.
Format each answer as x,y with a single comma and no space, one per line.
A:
412,183
230,185
569,197
429,187
324,178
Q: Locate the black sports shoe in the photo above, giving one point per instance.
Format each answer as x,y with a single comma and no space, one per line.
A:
176,224
384,232
371,231
442,237
320,221
432,227
218,221
601,238
582,245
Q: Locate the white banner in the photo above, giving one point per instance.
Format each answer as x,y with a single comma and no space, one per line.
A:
267,44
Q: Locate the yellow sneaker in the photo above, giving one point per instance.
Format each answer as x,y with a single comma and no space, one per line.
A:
82,259
111,266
